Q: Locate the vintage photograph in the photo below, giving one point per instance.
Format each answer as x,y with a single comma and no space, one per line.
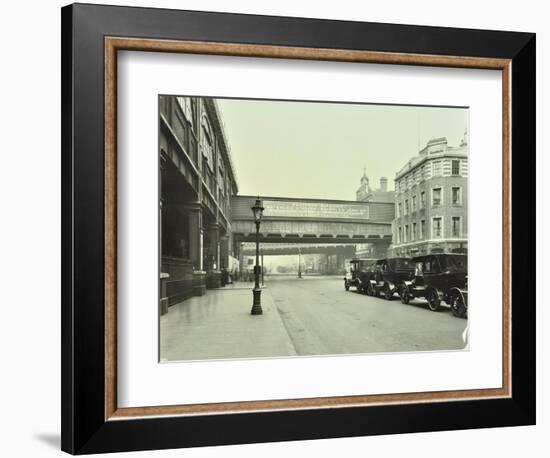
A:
307,228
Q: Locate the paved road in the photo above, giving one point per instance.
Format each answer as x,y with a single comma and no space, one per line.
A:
309,316
320,317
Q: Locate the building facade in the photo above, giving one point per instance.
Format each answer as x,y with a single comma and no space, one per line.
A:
366,194
431,201
196,184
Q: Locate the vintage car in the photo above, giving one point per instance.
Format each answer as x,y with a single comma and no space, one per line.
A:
387,275
439,277
357,274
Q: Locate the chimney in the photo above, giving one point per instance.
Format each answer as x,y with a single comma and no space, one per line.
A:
383,184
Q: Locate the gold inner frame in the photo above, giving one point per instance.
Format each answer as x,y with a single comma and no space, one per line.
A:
114,44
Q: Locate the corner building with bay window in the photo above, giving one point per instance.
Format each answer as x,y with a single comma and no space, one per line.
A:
431,201
196,184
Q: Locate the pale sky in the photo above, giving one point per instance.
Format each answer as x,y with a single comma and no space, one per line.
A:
319,150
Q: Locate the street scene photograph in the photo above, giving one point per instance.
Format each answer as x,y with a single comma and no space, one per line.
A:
310,228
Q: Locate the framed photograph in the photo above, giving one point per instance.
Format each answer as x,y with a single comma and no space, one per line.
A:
283,228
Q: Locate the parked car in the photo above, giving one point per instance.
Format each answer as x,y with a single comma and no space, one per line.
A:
439,277
357,274
387,275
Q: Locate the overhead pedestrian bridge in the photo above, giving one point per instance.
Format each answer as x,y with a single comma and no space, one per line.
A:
318,221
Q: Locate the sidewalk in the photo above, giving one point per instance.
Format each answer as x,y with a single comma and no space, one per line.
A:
219,325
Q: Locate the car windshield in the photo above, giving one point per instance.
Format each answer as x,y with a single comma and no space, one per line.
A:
364,266
457,263
403,264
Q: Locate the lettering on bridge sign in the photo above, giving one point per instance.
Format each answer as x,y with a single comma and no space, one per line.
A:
278,208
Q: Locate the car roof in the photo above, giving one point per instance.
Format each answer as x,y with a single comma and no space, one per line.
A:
424,256
391,259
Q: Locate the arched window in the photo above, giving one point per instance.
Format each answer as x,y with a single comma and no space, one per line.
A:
207,142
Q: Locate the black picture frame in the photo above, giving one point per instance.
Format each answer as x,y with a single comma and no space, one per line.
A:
84,428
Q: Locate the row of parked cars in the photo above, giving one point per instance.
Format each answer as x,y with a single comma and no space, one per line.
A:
433,277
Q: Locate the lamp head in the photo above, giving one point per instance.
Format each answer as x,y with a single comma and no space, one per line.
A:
257,211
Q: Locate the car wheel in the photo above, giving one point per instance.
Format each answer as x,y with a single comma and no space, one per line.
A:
388,294
433,300
405,296
457,306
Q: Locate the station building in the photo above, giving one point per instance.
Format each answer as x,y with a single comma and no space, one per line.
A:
197,181
431,201
367,194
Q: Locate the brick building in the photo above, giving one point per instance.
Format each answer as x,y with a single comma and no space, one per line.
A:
431,201
367,194
196,184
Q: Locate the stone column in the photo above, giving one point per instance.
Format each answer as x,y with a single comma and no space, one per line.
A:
224,259
214,237
194,210
195,235
213,278
224,251
340,259
241,259
163,275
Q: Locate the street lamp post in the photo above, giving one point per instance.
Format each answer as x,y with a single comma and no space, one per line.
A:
299,263
263,270
257,211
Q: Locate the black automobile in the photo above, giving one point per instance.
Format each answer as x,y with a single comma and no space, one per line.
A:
387,275
357,275
439,277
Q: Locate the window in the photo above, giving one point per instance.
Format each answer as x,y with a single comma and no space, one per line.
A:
431,265
436,197
422,199
455,167
413,232
185,105
180,128
414,203
456,226
436,165
406,206
422,229
406,233
399,209
399,235
437,227
456,196
207,143
221,175
194,113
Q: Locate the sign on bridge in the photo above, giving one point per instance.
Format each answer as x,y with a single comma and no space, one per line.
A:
305,209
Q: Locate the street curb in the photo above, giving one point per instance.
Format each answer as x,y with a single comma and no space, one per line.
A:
238,288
